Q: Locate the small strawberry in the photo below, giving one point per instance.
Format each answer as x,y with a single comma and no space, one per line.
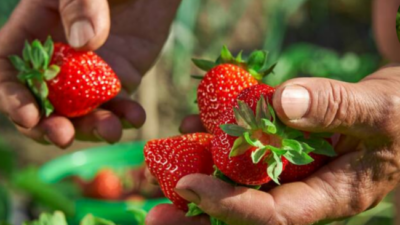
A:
171,159
224,80
68,82
106,185
253,147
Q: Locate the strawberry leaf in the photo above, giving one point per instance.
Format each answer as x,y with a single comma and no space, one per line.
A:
49,47
27,52
250,141
256,60
226,55
239,57
218,174
297,158
51,72
275,167
267,71
292,133
247,114
258,154
233,130
268,127
204,64
240,146
18,63
319,146
194,210
197,77
292,145
37,55
240,119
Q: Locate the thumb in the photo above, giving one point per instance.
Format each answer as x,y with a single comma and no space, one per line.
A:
325,105
86,22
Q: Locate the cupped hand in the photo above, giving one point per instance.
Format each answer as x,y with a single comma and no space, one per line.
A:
366,114
128,34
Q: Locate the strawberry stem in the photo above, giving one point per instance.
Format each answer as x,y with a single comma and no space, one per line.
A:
256,64
283,141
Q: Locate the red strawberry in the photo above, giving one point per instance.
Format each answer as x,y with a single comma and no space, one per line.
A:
218,90
253,146
171,159
295,173
224,80
69,82
106,185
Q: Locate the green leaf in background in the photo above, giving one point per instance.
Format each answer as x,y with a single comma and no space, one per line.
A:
139,214
58,218
92,220
28,181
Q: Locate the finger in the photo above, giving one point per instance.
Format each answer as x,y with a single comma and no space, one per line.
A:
86,22
127,73
191,124
167,214
17,103
344,188
55,130
324,105
99,125
129,112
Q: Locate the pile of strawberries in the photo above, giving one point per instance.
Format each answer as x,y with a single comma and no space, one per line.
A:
246,143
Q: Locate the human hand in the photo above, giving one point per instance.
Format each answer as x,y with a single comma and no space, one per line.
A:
367,168
139,29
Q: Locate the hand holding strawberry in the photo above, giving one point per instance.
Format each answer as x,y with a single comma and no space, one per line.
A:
366,170
84,25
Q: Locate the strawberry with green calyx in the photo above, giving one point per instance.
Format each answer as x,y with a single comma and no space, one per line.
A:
253,146
224,80
65,81
170,159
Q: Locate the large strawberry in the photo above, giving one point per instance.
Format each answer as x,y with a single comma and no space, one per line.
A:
224,80
253,146
69,82
171,159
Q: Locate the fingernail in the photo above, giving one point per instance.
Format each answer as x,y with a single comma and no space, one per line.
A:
188,195
80,33
295,102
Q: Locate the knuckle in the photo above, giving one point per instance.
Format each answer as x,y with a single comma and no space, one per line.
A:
337,109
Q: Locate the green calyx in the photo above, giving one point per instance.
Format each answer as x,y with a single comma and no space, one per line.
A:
256,64
282,141
34,70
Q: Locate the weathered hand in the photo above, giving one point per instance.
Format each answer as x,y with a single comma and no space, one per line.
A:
367,168
139,29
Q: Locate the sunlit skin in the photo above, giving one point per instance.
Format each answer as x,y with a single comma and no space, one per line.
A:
365,113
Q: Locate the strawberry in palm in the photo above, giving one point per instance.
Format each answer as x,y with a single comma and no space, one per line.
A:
253,147
171,159
224,80
66,81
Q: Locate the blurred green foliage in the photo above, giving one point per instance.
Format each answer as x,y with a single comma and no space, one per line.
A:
398,23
